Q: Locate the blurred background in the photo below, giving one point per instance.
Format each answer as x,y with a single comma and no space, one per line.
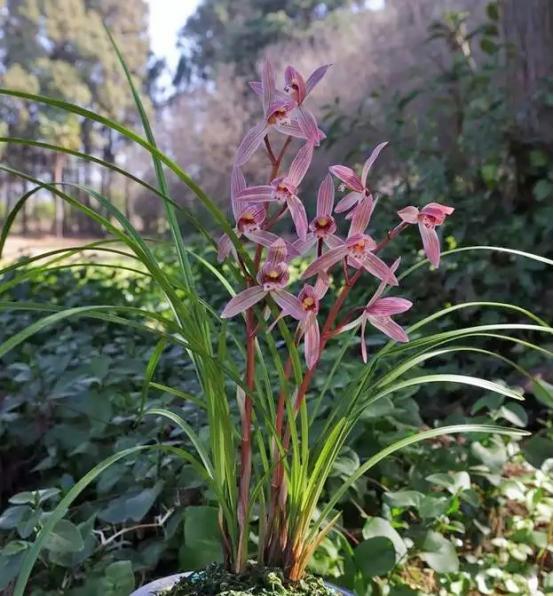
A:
462,89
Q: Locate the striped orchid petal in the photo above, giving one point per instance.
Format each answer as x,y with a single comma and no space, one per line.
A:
295,82
325,197
312,342
262,237
290,304
224,247
238,183
257,87
321,285
382,285
277,253
389,328
371,160
242,301
303,246
251,141
256,194
347,202
333,241
361,216
437,211
291,128
308,125
348,176
385,307
300,164
374,265
409,214
316,76
299,217
268,83
431,243
326,261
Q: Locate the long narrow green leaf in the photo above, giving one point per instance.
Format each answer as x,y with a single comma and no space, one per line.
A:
189,431
422,436
445,378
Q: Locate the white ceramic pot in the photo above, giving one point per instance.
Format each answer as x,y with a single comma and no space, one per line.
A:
158,585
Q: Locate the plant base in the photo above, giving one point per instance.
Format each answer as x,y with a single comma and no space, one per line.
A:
215,580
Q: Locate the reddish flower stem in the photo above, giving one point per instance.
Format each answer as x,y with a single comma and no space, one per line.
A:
250,376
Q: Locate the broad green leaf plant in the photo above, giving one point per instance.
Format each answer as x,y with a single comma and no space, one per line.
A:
269,473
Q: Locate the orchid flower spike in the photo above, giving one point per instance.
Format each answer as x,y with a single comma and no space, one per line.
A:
356,184
323,226
272,279
357,249
283,190
427,219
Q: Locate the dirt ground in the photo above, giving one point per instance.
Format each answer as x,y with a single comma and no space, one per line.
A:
19,246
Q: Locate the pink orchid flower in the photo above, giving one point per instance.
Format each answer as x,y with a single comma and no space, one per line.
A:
427,219
305,310
323,226
249,220
302,123
272,279
284,189
356,184
357,249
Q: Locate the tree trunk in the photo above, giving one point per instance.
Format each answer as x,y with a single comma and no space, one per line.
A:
527,27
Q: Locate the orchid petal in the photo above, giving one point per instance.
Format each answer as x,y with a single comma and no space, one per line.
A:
374,265
300,164
311,340
385,307
348,176
268,83
257,87
291,128
316,76
321,285
293,76
224,246
362,338
408,214
361,216
348,201
303,246
389,328
327,260
325,197
251,141
299,217
238,183
262,237
308,125
256,194
431,243
382,285
289,304
438,208
277,253
371,160
242,301
333,241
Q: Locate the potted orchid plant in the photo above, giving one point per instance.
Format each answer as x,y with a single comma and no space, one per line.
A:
268,473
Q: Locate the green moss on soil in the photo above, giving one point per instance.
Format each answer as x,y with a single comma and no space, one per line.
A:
215,580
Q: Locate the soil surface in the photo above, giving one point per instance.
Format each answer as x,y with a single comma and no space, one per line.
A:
215,580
